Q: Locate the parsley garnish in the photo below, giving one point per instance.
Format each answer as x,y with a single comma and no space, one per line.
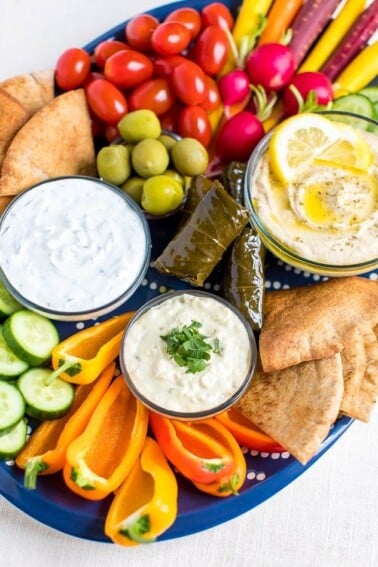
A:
188,347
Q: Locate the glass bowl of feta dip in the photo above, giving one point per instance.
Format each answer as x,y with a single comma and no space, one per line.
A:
188,355
312,190
73,248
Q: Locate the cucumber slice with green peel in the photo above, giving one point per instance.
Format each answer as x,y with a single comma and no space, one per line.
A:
10,365
13,441
44,401
357,104
12,406
370,92
32,337
8,304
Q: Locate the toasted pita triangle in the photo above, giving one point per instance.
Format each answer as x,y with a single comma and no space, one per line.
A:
360,369
296,406
311,322
56,141
33,90
12,116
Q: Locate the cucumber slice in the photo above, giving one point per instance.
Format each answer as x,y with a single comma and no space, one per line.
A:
31,336
12,406
43,401
356,103
8,304
13,441
370,92
10,365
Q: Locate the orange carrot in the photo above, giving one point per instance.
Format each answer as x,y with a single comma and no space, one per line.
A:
280,17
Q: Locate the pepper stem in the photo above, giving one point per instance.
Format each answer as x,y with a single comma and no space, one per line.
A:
33,467
59,371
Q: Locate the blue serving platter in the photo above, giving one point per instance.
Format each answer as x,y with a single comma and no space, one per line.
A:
55,506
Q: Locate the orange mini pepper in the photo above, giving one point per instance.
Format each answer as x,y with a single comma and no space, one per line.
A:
198,454
45,451
83,356
99,460
247,433
232,480
145,505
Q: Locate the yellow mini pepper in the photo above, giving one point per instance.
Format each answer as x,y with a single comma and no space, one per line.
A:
145,505
83,356
98,461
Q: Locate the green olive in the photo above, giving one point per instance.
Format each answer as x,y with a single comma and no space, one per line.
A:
134,187
175,175
138,125
167,140
161,195
189,157
113,164
149,157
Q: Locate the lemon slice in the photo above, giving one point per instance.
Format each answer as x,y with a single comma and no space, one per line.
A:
350,152
296,141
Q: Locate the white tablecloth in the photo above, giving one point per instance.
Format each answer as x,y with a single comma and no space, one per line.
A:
328,517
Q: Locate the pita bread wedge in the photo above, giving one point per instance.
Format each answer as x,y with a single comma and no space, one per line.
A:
360,369
310,322
4,202
56,141
296,406
33,90
12,116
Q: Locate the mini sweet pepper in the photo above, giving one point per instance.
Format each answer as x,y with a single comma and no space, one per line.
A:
45,451
145,505
98,461
83,356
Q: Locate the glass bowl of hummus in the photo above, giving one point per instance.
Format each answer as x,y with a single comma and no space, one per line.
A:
325,219
73,248
188,355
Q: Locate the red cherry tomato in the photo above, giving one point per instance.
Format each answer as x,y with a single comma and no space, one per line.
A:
212,99
163,66
217,14
106,101
107,48
306,83
127,69
111,133
72,68
138,31
169,120
189,17
170,38
155,94
92,76
270,65
211,50
97,126
193,122
189,83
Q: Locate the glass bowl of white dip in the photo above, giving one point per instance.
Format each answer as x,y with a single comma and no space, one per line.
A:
342,249
188,355
73,248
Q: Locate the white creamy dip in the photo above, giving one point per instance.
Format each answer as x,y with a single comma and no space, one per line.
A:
72,245
158,377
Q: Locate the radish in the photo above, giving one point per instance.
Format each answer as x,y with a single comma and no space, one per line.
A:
233,86
270,65
238,136
307,91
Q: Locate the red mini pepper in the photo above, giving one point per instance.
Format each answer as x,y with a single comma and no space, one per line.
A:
197,454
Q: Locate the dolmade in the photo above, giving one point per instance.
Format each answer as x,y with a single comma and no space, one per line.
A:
199,245
243,281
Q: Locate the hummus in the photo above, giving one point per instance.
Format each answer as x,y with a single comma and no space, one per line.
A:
329,215
157,377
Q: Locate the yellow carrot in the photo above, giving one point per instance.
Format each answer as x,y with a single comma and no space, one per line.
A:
359,73
247,22
333,35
